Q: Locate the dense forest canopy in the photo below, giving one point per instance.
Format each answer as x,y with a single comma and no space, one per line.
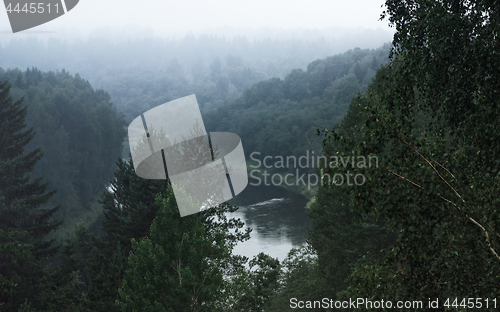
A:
431,117
79,131
279,116
85,152
422,230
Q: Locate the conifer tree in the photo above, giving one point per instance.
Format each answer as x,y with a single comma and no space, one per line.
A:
128,212
24,221
22,196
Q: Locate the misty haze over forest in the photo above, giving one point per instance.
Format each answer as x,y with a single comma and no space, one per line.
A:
122,59
122,47
409,90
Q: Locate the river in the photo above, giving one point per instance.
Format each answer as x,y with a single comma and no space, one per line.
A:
278,218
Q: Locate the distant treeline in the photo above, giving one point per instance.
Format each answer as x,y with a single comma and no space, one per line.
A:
142,73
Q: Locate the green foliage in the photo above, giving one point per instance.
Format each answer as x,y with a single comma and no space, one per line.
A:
300,278
129,204
277,116
129,208
24,223
141,73
80,132
257,284
20,196
178,267
26,307
11,249
430,206
341,236
431,118
131,243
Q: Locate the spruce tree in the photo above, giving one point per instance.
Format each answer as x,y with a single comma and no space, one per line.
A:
22,196
23,216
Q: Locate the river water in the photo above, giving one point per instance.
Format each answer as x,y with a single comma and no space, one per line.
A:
278,218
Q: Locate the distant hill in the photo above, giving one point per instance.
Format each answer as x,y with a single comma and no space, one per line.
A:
279,117
141,69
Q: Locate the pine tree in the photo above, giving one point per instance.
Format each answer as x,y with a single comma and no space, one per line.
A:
22,196
23,219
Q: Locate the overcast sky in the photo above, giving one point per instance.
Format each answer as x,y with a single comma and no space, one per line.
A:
194,15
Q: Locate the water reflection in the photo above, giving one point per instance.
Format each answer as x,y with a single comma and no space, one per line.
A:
278,218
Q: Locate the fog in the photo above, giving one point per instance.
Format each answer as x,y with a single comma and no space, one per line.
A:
147,52
254,19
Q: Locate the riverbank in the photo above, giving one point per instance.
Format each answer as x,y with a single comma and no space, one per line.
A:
284,180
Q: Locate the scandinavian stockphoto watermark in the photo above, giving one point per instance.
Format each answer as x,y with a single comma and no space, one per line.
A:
26,14
259,169
205,169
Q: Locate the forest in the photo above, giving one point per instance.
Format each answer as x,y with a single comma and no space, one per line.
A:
80,231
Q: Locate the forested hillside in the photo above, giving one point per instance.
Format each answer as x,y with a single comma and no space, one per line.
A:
420,233
142,73
280,116
80,133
